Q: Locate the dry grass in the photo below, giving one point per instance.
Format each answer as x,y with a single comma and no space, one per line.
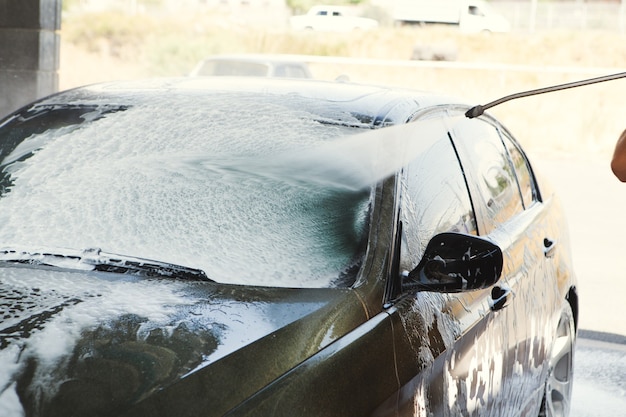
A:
587,119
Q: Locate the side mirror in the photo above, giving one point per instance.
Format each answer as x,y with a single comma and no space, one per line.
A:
455,262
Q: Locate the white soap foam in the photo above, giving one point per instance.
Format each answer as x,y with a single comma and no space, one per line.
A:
185,185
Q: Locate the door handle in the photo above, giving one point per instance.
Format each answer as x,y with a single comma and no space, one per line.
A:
549,247
499,297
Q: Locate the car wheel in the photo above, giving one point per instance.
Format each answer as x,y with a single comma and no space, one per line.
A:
558,393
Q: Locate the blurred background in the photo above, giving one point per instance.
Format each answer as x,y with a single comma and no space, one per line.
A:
549,42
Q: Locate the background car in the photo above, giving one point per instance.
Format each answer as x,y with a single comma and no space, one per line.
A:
331,19
252,65
235,246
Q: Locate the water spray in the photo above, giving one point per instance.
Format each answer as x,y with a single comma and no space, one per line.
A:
480,109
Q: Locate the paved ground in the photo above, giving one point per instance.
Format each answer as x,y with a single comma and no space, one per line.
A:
595,203
600,376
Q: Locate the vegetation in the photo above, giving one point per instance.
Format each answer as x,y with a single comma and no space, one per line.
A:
174,44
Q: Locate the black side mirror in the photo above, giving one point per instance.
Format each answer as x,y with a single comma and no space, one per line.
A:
455,262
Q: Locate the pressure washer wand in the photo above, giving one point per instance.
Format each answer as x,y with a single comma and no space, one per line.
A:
480,109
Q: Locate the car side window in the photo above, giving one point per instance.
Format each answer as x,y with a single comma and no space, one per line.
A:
522,171
434,199
493,182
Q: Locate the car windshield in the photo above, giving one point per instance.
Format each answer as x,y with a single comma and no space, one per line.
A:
207,182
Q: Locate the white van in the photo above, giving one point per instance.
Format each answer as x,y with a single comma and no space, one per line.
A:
470,15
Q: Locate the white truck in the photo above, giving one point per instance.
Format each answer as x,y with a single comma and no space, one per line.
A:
469,15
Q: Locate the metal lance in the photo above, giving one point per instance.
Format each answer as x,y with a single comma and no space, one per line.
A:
480,109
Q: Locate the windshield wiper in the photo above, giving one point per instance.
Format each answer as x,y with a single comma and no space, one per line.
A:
94,259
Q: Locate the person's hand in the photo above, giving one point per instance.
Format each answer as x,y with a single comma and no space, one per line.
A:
618,163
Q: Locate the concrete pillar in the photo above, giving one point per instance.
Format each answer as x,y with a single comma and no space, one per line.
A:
29,51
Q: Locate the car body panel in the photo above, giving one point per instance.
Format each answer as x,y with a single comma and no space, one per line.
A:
332,372
153,333
475,360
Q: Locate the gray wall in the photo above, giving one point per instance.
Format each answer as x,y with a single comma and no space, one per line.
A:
29,51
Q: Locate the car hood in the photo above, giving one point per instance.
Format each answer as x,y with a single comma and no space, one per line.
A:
99,344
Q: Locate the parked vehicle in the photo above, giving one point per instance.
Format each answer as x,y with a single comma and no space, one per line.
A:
469,15
252,65
331,18
252,247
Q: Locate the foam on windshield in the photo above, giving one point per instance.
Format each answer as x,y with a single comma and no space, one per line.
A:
179,184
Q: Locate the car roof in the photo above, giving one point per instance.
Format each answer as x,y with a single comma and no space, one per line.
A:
384,105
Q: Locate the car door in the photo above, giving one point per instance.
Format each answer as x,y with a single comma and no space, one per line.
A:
450,348
507,206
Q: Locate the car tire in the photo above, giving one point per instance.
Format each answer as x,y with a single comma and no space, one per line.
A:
558,388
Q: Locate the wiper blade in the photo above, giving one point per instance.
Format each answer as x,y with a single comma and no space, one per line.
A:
94,259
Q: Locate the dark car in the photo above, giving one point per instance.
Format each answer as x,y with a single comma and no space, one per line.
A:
246,247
